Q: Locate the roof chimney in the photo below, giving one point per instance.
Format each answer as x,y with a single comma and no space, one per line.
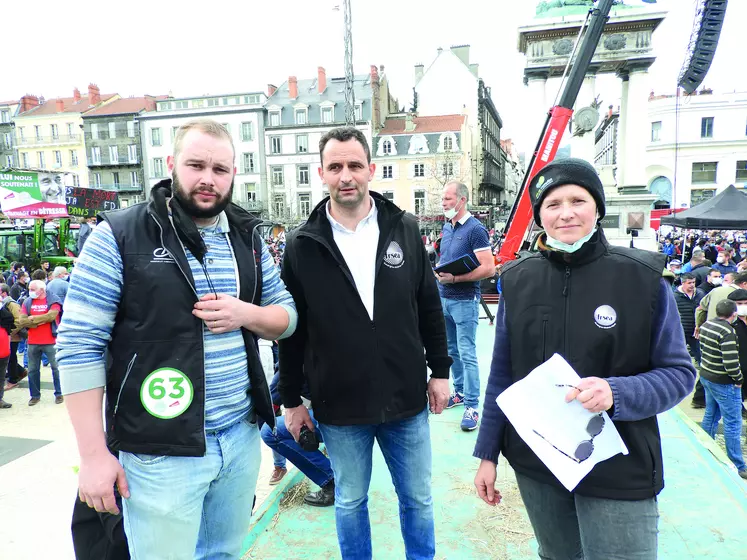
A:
150,103
271,89
76,95
94,94
374,74
419,69
60,105
292,87
321,79
409,123
28,102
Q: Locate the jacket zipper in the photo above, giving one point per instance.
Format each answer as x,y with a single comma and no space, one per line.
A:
174,258
121,387
544,339
566,284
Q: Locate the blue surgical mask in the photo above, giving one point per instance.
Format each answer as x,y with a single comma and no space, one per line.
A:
565,247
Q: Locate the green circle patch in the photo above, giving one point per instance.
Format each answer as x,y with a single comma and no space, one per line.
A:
166,393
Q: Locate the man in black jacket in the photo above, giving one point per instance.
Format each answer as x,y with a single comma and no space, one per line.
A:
688,297
368,305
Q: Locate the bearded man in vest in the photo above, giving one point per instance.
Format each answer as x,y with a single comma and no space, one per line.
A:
177,290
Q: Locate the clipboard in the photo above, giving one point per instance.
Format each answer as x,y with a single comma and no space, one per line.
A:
462,265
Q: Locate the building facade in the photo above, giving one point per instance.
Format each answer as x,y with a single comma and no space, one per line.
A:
299,113
8,152
49,134
114,149
241,113
416,157
451,85
697,145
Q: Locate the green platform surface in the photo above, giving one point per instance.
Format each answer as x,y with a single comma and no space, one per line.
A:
703,508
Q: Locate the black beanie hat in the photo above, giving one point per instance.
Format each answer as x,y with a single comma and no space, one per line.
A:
565,172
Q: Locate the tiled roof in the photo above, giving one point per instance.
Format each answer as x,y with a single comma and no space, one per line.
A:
13,102
124,106
441,123
70,106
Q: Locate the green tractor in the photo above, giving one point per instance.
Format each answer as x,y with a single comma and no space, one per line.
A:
54,242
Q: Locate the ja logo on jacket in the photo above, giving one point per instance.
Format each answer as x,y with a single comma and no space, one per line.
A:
394,257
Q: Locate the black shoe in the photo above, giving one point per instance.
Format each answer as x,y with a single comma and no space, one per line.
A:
4,404
697,404
324,497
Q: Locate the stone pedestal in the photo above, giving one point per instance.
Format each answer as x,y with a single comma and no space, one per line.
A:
584,146
635,137
615,222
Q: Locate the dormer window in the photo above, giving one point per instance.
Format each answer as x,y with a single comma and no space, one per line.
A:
327,114
274,117
418,144
448,142
358,112
301,114
386,147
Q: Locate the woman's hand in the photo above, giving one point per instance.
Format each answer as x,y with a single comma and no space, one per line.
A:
594,393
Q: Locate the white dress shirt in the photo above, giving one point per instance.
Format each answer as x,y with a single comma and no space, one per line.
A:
358,248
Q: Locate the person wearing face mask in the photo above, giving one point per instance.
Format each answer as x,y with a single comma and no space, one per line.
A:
724,264
463,234
739,296
668,249
741,256
19,290
608,312
707,307
713,281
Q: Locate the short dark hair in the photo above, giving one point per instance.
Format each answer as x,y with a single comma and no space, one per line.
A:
687,276
17,266
740,278
4,289
726,308
343,134
39,274
713,270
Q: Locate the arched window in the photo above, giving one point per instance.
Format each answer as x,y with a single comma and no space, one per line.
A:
448,144
387,147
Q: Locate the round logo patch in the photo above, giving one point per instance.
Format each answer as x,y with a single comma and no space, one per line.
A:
394,256
605,317
166,393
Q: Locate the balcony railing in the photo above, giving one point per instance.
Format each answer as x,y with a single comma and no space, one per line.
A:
119,187
121,160
47,140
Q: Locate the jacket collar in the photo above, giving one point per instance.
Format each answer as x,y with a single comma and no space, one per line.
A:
590,251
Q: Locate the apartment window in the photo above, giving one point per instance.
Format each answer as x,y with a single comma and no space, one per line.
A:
387,172
419,202
112,130
251,99
389,195
155,137
224,100
358,112
132,153
301,116
213,102
247,163
277,175
158,167
173,132
20,133
70,130
275,144
8,140
96,155
95,131
656,131
327,114
40,160
25,159
274,118
387,147
700,195
115,179
251,191
97,179
303,174
131,129
448,144
58,158
742,171
134,179
704,172
37,132
278,204
9,161
447,169
227,127
73,158
55,132
302,143
419,170
304,204
5,116
706,127
113,154
247,132
164,106
76,180
181,105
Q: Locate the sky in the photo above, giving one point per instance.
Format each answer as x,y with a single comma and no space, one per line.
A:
186,48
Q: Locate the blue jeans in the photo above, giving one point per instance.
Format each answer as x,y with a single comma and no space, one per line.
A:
35,355
313,464
461,330
725,401
184,508
406,446
570,526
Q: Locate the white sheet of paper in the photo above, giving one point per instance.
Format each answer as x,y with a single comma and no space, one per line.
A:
536,403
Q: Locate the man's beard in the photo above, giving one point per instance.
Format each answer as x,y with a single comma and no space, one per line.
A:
191,208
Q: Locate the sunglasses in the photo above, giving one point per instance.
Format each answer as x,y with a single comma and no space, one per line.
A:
585,449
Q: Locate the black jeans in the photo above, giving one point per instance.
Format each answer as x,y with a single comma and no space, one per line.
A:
14,368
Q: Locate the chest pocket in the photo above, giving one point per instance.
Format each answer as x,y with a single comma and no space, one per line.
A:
541,326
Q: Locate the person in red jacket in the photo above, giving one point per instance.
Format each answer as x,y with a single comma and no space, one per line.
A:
41,315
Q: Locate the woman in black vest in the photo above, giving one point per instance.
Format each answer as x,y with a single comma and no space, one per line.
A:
610,314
